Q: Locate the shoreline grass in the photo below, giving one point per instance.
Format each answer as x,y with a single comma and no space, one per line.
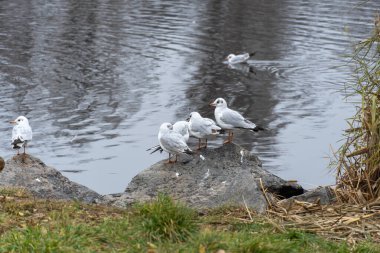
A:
37,225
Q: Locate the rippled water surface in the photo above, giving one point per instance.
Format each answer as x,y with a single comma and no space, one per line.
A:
97,78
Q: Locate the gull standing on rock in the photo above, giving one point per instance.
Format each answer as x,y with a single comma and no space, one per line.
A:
181,127
228,119
202,127
240,58
21,133
172,142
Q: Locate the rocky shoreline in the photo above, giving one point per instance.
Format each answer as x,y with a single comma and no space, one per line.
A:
228,175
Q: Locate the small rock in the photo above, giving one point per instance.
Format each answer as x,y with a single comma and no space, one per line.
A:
42,181
323,195
2,163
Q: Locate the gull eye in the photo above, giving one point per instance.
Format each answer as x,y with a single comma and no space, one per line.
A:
19,120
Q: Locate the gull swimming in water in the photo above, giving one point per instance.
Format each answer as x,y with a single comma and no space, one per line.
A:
240,58
201,127
181,127
229,119
172,142
21,133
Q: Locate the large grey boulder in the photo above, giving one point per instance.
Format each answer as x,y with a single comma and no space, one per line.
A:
228,175
41,180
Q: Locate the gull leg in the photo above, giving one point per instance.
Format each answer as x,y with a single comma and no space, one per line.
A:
229,137
169,160
199,144
24,147
204,146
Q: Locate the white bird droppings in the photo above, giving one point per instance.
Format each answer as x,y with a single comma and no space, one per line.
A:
38,180
207,174
202,157
242,156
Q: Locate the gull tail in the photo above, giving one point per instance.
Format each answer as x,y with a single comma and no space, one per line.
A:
252,54
257,129
17,143
188,151
155,149
222,131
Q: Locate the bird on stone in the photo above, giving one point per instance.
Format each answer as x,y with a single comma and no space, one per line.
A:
201,127
229,119
181,127
240,58
172,142
21,133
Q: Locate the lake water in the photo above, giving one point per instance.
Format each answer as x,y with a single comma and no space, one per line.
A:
97,78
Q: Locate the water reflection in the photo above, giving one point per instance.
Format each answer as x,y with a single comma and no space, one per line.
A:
97,78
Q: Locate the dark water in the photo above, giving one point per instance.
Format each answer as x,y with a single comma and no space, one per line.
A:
97,78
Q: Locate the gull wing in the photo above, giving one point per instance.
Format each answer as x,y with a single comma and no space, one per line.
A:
232,117
174,142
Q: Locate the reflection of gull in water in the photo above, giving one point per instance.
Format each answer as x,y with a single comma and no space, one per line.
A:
240,58
172,142
245,68
229,119
21,133
201,127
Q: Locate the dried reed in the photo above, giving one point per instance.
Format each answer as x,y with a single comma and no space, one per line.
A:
358,160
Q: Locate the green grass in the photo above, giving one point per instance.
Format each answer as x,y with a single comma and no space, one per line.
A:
166,219
164,225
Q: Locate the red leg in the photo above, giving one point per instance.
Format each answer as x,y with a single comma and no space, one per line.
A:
229,137
169,161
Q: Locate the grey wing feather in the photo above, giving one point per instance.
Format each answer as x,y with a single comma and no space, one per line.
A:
231,117
174,142
241,58
236,119
201,126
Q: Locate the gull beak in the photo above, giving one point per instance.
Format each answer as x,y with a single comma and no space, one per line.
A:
188,119
212,104
12,122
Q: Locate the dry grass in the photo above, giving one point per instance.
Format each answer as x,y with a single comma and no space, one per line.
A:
340,222
358,160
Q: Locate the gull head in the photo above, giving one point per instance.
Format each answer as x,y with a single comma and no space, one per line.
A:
219,102
21,120
166,127
193,115
230,56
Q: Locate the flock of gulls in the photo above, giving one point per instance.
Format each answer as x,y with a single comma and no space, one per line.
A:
172,138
